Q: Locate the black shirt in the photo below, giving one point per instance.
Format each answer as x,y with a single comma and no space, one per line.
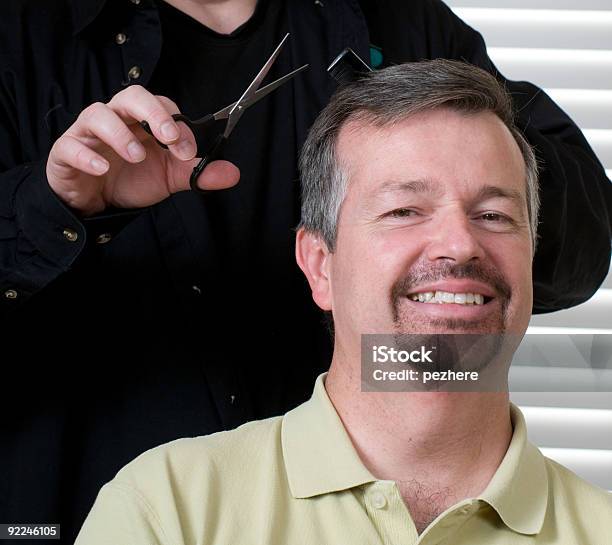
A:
195,317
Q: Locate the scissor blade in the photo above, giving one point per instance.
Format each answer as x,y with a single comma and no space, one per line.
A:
261,93
237,111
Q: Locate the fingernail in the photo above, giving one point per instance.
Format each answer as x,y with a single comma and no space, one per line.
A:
136,151
170,130
99,165
186,149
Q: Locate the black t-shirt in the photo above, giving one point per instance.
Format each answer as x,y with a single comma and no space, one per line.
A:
252,223
203,71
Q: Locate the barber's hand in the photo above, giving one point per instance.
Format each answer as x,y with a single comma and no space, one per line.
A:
107,159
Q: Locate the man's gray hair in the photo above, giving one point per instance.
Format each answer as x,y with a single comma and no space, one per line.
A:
385,97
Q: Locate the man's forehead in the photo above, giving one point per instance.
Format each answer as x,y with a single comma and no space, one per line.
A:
434,153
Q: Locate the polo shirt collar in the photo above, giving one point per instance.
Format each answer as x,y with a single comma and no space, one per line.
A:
320,458
518,490
319,455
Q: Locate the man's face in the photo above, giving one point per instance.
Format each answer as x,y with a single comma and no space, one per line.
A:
435,209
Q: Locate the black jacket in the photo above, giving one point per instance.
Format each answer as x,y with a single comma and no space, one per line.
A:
110,349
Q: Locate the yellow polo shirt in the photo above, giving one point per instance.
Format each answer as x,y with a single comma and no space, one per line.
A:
297,479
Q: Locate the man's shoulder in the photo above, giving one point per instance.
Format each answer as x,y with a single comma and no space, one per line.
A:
580,497
207,456
181,488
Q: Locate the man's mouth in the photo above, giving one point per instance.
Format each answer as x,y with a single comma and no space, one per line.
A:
447,297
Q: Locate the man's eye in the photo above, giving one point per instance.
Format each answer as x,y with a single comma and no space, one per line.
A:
403,213
494,217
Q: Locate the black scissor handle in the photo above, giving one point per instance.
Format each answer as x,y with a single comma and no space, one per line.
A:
215,153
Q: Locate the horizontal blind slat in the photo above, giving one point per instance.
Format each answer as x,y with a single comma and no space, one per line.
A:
589,108
534,4
564,427
531,28
559,68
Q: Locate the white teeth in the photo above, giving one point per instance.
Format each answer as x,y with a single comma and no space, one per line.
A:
448,297
442,297
460,298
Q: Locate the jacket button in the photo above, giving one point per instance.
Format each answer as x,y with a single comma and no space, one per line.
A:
120,38
70,234
103,238
134,72
10,294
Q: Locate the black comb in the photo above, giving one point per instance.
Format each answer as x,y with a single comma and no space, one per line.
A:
347,67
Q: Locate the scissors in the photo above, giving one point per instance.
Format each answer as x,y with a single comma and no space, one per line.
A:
232,113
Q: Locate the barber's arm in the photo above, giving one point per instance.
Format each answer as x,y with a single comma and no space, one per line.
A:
575,231
103,164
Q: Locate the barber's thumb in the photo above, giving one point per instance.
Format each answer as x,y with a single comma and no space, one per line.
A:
219,174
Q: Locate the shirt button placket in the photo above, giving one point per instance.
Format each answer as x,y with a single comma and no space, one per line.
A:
379,501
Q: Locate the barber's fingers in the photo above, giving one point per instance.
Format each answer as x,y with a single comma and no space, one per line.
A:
69,152
100,122
136,104
185,148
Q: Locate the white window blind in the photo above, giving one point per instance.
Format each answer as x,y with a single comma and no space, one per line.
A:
565,47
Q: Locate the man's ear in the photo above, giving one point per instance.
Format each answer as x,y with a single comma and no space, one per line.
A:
312,256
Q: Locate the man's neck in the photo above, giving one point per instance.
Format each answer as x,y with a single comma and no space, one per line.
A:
222,16
440,448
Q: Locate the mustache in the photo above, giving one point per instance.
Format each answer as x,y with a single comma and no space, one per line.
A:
445,271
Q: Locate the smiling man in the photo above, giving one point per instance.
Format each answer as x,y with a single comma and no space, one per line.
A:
419,217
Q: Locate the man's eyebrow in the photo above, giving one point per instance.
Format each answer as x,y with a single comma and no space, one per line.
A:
424,186
494,191
407,186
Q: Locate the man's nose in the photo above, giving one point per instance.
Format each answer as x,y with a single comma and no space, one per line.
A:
454,238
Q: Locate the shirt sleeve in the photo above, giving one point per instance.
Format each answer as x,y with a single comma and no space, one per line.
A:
575,230
120,515
40,236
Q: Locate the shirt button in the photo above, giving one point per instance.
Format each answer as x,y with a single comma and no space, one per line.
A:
465,510
103,238
134,72
120,38
10,294
378,500
70,234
